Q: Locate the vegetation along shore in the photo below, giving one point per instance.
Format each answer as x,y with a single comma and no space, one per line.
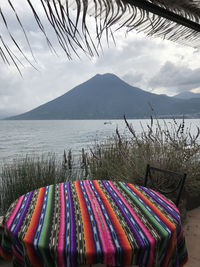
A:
120,157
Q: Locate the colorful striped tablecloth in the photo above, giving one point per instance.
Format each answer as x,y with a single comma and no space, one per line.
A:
92,221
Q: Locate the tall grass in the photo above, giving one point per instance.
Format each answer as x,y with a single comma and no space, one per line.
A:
32,172
164,145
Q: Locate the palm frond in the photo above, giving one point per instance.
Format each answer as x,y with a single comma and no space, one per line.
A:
175,20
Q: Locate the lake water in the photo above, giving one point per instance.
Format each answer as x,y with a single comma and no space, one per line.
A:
18,138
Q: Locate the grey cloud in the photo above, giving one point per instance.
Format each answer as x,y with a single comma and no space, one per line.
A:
35,36
133,78
132,50
176,78
57,75
135,59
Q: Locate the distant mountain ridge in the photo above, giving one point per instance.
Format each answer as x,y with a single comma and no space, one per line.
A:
108,97
187,95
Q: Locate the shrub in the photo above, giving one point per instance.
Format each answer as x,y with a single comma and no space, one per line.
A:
32,172
168,146
121,157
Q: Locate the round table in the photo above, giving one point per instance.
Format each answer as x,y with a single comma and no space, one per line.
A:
93,221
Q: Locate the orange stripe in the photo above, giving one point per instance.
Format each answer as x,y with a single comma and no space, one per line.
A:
87,227
121,235
28,239
163,218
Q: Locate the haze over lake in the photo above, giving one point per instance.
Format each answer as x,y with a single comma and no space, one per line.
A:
18,138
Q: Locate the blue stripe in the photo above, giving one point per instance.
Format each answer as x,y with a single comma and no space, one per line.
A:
18,215
114,235
149,210
94,226
67,210
131,218
141,240
167,207
164,226
42,216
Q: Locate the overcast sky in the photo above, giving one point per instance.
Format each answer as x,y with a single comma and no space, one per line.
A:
151,64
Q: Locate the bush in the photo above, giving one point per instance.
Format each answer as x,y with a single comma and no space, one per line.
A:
32,172
167,146
121,157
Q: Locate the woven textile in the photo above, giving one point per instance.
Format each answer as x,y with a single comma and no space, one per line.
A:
89,222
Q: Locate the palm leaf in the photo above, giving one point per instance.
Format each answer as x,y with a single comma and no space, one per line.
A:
175,20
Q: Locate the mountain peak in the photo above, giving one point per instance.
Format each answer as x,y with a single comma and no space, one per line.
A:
106,76
105,96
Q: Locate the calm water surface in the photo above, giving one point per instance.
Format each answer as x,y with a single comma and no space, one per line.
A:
18,138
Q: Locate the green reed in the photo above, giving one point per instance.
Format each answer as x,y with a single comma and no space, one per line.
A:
25,174
120,157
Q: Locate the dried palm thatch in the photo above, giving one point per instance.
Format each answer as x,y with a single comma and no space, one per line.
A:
176,20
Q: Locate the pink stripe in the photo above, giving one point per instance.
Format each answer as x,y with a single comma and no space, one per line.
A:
104,233
13,214
141,225
165,200
61,235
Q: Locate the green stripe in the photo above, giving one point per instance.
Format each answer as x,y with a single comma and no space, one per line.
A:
162,231
43,240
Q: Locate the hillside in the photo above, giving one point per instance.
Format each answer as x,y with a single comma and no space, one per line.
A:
187,95
108,97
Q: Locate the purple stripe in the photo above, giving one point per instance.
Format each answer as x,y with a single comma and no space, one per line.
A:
18,246
16,230
73,227
163,204
137,237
